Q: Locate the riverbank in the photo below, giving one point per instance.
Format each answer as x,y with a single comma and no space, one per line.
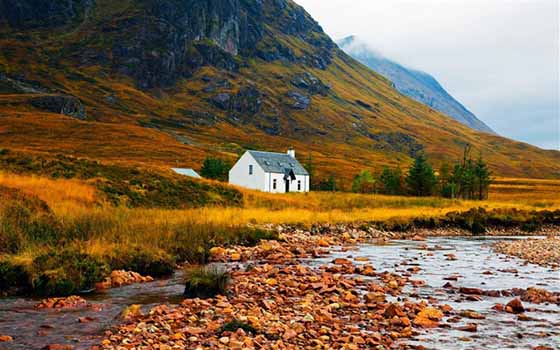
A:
545,252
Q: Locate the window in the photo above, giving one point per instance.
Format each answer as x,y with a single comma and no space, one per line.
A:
299,185
251,169
274,183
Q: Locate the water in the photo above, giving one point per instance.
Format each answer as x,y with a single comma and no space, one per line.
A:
33,329
499,330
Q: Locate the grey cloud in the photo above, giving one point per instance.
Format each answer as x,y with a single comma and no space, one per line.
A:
498,57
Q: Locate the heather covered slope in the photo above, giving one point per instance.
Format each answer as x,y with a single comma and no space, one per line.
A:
166,82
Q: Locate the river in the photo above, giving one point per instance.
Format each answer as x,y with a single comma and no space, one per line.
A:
33,329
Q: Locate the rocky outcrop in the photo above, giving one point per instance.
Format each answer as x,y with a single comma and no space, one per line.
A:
247,101
397,142
43,13
62,104
311,84
298,100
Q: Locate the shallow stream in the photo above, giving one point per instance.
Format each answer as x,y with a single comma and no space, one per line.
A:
34,329
475,260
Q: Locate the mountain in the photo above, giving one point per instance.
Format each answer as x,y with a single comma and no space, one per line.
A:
164,83
415,84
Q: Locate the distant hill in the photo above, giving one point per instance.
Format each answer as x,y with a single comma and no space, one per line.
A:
415,84
165,83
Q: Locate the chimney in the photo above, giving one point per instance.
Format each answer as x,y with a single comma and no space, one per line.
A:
292,153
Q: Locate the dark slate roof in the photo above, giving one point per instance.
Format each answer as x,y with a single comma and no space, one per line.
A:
279,163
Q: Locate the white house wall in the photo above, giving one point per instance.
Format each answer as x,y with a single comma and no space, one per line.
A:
260,180
239,174
281,187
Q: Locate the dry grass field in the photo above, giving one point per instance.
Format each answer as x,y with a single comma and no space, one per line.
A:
80,222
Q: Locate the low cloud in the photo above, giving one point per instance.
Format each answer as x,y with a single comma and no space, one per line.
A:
498,57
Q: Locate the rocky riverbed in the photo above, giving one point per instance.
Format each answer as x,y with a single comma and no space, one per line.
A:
337,292
334,288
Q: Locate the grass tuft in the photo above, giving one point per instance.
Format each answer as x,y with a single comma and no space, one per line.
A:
206,281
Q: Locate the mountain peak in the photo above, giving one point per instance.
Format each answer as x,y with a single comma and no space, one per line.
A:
418,85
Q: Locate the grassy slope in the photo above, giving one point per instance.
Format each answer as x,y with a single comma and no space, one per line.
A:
327,130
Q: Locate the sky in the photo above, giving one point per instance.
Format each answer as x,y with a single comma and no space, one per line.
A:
499,58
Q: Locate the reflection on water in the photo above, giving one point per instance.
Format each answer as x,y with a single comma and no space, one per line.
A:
499,330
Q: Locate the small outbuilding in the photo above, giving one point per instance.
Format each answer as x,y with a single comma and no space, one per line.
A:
187,172
270,172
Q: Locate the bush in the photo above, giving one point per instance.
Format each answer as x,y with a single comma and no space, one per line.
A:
62,273
206,282
215,168
155,263
13,276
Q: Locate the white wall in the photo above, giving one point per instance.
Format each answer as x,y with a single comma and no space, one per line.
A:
281,186
239,174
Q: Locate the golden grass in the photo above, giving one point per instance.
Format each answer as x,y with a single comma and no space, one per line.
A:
73,200
59,194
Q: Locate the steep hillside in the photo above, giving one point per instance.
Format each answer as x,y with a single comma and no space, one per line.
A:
165,82
415,84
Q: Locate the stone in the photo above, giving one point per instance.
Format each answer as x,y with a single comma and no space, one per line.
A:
392,311
471,327
6,339
429,317
471,291
515,306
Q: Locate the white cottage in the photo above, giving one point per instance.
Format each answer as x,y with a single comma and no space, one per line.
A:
270,172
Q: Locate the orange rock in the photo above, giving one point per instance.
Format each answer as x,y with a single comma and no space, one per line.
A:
375,297
342,261
6,338
429,317
289,334
515,306
235,257
392,311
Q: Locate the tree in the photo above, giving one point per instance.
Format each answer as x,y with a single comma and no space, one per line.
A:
215,168
327,185
447,187
482,178
364,182
391,181
421,179
470,179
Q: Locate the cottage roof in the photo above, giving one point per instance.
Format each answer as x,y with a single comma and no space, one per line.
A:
187,172
279,163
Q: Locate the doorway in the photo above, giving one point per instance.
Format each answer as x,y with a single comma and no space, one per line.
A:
287,182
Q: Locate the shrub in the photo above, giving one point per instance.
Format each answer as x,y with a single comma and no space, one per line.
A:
215,168
13,276
155,262
206,282
61,273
